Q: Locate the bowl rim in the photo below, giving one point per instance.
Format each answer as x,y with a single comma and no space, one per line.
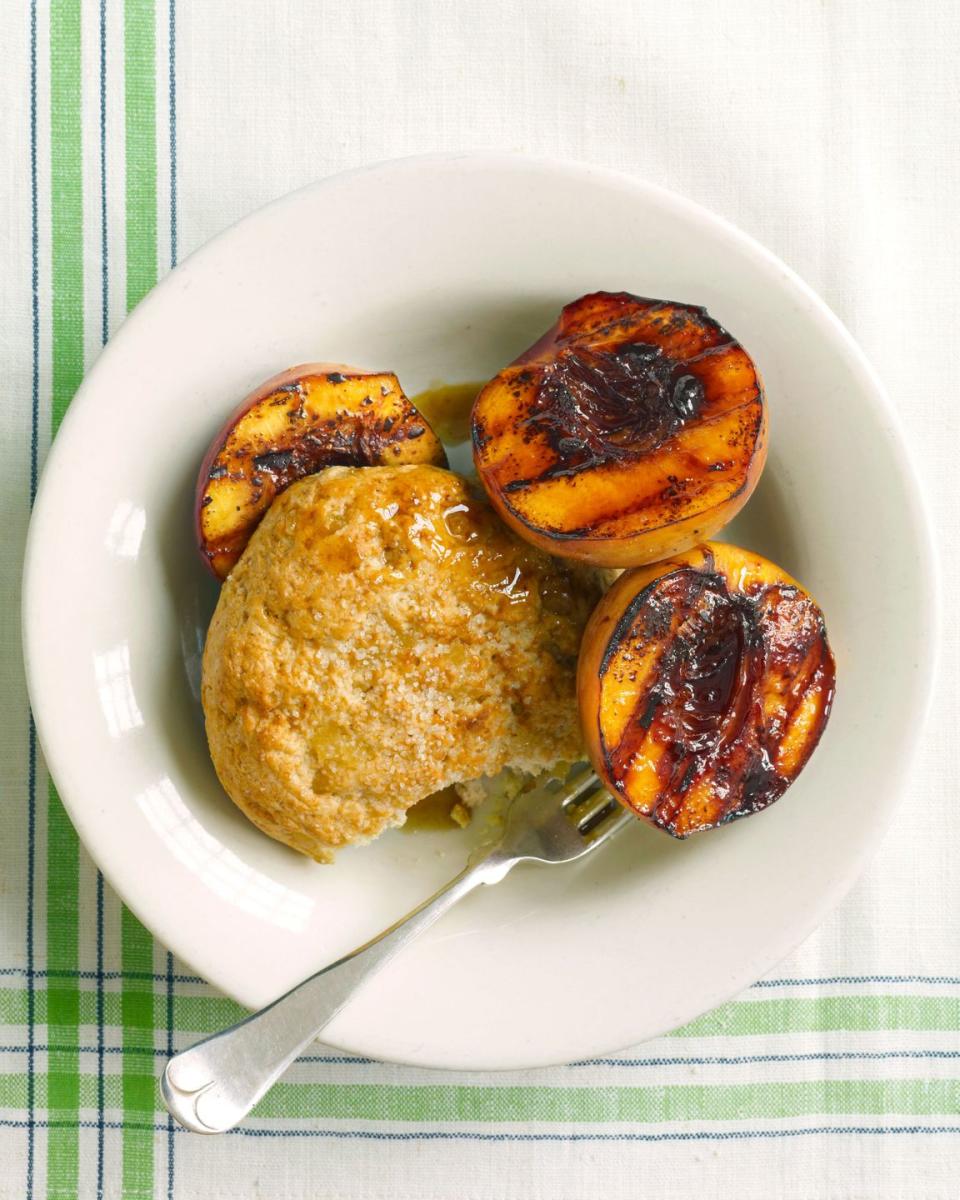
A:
928,623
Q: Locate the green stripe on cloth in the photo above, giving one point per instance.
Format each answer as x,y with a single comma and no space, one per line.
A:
817,1014
63,864
556,1105
141,147
198,1014
139,1085
66,216
61,1001
745,1018
137,1004
589,1105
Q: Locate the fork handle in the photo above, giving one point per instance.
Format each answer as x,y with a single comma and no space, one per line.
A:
212,1086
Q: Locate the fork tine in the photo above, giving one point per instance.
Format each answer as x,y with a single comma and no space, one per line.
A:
597,814
587,809
590,806
544,826
608,823
575,786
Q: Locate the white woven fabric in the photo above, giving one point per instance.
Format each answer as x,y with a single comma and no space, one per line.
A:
829,132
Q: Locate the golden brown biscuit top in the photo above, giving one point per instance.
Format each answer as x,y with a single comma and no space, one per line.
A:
382,637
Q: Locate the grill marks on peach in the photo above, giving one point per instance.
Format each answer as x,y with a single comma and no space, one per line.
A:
705,684
632,429
640,663
608,319
726,376
298,423
800,680
698,468
698,700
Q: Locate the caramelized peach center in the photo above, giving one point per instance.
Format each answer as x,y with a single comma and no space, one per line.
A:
595,407
718,720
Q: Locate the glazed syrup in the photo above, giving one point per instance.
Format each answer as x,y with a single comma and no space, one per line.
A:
447,408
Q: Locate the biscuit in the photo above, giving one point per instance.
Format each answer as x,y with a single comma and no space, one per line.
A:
382,637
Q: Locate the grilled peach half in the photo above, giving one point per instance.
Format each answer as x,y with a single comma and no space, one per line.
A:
307,418
704,684
631,430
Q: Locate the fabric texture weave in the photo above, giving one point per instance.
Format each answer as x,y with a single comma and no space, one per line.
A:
131,131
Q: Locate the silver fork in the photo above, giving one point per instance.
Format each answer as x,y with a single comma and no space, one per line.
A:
213,1085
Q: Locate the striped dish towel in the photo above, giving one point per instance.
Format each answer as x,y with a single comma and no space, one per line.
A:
134,129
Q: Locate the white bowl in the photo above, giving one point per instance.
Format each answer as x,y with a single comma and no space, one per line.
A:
445,268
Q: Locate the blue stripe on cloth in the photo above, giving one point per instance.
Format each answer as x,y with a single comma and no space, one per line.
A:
718,1060
104,259
41,973
827,980
434,1135
679,1136
330,1060
172,41
35,262
172,91
101,1084
722,1060
104,334
31,731
169,1054
172,99
811,981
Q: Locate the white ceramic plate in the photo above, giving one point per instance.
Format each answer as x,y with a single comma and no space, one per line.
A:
445,268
